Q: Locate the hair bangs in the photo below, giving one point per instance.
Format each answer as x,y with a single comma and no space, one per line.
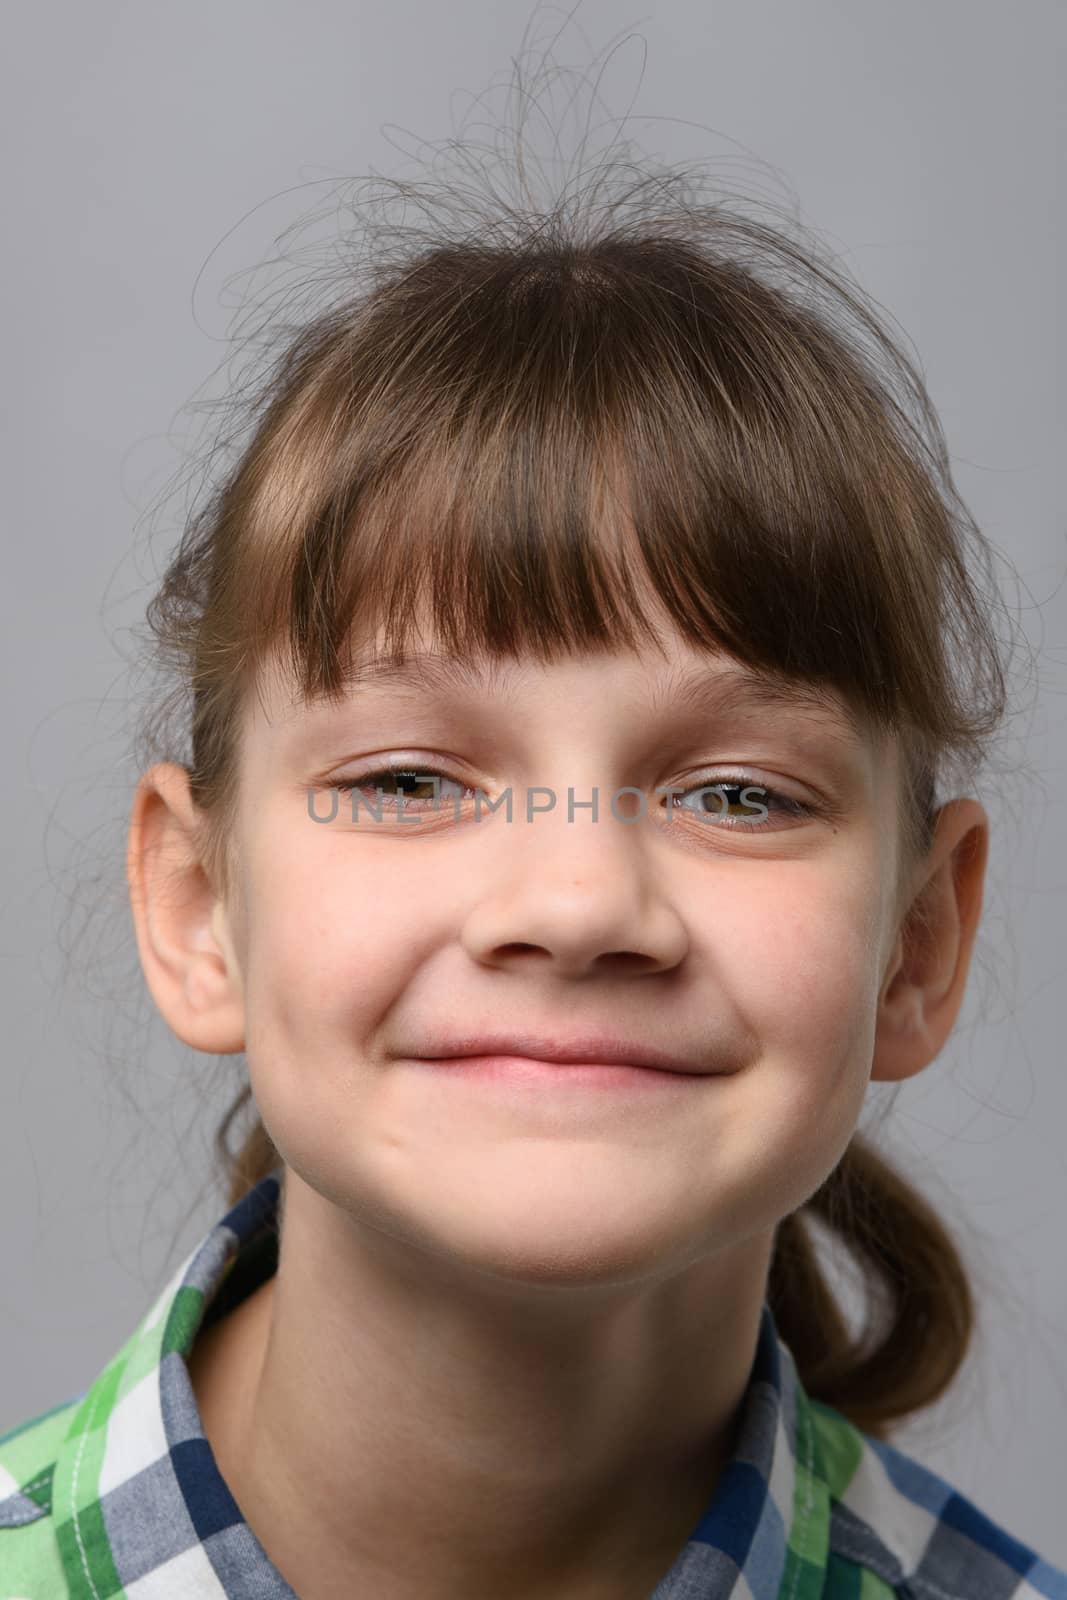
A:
605,451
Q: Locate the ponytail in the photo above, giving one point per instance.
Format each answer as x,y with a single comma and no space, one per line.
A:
921,1309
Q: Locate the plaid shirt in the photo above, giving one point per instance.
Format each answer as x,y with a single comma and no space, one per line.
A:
116,1492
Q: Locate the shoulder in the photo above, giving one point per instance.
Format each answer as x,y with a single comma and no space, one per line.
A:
920,1536
30,1563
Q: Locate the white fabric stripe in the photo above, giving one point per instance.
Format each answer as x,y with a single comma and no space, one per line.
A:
189,1576
901,1525
135,1437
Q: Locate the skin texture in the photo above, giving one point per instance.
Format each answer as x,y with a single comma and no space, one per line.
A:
508,1337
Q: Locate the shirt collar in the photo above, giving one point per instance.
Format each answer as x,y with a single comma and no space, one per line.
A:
138,1497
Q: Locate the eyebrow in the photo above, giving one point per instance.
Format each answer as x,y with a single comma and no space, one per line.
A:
423,669
735,689
723,691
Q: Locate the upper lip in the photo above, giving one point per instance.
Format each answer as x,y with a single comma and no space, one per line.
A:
585,1048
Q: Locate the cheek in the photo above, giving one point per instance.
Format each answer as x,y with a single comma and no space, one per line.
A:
328,942
799,968
332,934
800,949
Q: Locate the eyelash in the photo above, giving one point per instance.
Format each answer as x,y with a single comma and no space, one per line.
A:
773,798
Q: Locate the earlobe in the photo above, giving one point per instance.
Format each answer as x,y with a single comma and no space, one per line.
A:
925,979
182,937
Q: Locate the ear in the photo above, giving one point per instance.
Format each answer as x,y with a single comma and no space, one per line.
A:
183,934
926,975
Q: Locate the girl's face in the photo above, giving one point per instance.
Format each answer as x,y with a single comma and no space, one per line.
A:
751,944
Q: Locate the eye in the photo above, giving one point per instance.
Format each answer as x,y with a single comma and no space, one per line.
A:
422,791
720,795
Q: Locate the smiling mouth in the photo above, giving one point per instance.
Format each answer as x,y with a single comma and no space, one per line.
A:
590,1049
536,1072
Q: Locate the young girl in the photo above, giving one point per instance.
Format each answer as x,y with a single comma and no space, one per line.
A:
588,668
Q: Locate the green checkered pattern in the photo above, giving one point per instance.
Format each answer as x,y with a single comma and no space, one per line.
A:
117,1492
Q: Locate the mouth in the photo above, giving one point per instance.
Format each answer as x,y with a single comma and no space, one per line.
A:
596,1057
560,1077
579,1064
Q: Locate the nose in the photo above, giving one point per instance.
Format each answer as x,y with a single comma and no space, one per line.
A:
575,894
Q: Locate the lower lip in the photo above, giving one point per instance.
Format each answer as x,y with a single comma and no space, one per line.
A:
561,1074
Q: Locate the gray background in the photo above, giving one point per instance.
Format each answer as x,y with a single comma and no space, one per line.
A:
149,149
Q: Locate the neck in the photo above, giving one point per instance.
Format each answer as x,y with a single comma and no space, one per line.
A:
377,1411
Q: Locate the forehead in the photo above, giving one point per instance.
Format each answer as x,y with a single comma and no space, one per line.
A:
669,677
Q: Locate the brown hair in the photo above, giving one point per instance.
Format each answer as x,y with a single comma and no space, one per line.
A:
446,432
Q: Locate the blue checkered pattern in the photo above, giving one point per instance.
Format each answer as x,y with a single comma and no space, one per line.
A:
117,1493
